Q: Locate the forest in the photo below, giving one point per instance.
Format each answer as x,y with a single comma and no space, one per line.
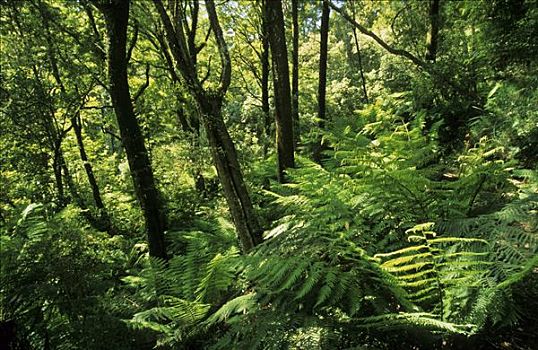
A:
268,174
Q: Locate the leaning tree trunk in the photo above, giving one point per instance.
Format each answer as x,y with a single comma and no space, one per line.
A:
104,219
116,15
359,56
281,78
229,172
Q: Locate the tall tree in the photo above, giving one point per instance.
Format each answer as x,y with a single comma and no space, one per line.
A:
322,82
295,71
210,102
116,13
281,81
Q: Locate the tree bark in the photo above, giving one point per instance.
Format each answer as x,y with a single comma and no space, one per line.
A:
295,73
281,79
433,36
116,13
322,82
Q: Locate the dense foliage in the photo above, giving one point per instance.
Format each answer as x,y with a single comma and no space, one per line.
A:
195,193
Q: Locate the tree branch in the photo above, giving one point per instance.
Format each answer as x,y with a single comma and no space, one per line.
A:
132,44
144,86
427,67
202,45
208,72
178,47
383,44
111,133
226,73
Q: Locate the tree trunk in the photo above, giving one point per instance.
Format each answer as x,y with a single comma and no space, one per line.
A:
433,35
295,73
103,215
359,57
265,76
229,172
116,15
322,83
57,168
281,79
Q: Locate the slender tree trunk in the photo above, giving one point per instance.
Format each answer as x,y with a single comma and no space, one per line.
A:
322,83
281,78
359,56
182,119
433,36
295,73
361,69
75,196
116,15
103,214
57,168
265,76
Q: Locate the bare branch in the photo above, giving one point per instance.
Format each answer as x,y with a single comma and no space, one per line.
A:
202,45
191,32
98,45
98,107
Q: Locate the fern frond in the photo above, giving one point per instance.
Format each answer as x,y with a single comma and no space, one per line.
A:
421,320
237,305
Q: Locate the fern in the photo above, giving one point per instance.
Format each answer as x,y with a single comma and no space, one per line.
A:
422,320
335,258
48,300
219,275
191,292
238,305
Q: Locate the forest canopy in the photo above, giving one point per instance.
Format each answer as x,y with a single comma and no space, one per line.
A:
268,174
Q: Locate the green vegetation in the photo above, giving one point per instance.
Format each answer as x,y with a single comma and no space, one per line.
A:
270,174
